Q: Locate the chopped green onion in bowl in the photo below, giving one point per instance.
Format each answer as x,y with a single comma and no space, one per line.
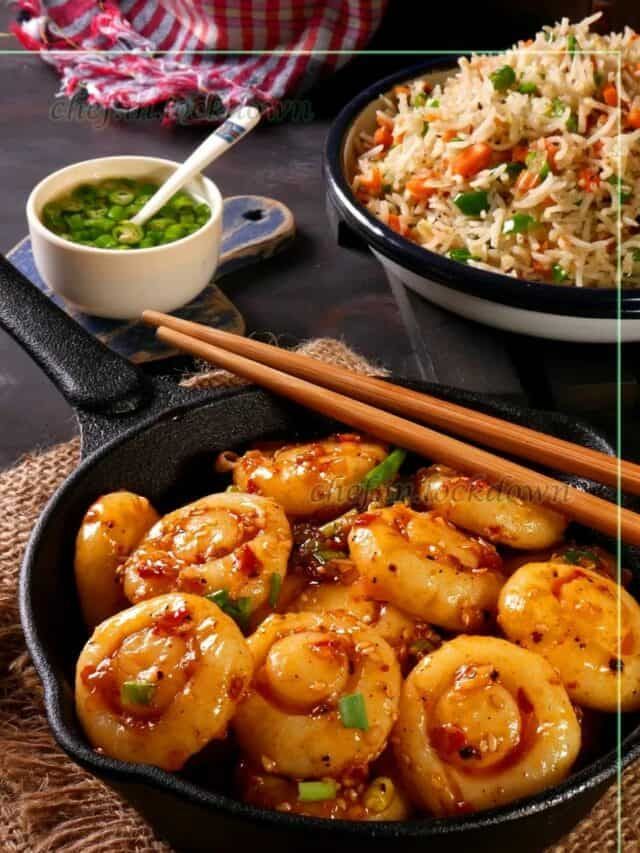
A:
128,233
99,215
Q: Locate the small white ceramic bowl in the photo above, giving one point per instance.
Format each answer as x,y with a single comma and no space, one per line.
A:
122,285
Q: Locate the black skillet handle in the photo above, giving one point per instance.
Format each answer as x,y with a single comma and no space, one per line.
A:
90,376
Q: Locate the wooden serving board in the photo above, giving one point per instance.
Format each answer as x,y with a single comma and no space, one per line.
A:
253,227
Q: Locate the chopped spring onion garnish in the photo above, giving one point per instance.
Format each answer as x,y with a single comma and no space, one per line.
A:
327,555
559,274
434,103
574,555
239,609
316,792
519,224
337,525
572,44
425,128
385,471
274,589
137,692
472,203
423,646
353,712
503,78
419,100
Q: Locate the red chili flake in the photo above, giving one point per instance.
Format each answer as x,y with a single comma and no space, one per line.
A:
87,674
154,568
401,521
448,739
246,561
627,644
348,436
477,484
236,687
524,703
556,586
329,648
489,557
171,621
365,519
252,488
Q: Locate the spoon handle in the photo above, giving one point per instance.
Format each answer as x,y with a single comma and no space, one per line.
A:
233,129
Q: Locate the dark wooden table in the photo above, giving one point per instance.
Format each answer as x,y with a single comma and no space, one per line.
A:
315,287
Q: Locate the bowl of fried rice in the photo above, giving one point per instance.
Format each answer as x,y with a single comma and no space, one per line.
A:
505,187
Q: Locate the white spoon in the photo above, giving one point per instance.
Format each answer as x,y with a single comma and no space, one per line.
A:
233,129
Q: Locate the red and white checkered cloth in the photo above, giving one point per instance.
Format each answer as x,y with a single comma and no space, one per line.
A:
112,50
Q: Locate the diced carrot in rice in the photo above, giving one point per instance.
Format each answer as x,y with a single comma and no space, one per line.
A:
383,136
472,160
419,189
610,95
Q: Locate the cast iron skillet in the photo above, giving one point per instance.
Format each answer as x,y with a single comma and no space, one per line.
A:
155,439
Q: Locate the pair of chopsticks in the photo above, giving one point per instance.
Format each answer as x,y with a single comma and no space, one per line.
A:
376,407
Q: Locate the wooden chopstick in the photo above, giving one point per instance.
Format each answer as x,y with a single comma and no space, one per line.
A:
484,429
581,506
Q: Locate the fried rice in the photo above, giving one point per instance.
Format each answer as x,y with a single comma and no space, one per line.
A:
525,163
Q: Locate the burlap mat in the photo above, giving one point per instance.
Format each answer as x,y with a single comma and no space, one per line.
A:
49,804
